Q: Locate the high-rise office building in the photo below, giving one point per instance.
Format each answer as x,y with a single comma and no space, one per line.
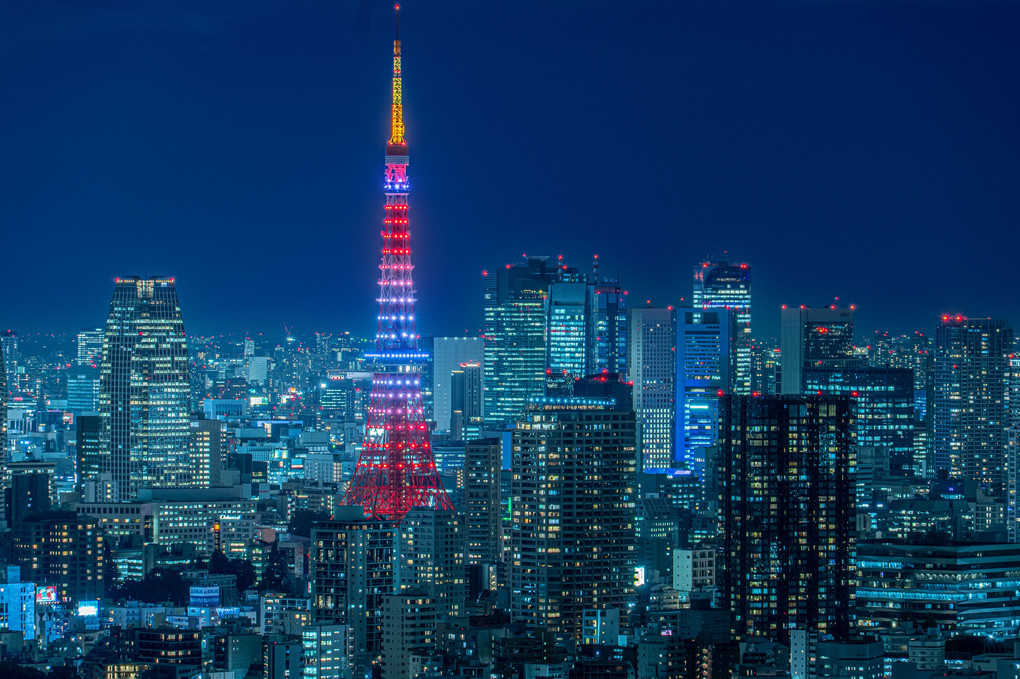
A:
396,470
915,351
89,452
721,285
514,307
882,406
814,338
482,476
31,489
352,570
64,550
609,308
466,400
448,354
431,560
651,361
568,323
209,447
970,399
573,507
144,388
788,516
9,349
83,389
90,346
705,370
3,424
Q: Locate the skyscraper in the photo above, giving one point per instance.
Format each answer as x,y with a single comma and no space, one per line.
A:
882,406
482,477
787,509
144,388
814,338
396,470
572,535
89,455
83,388
90,346
466,400
208,451
721,285
448,354
514,306
431,559
352,562
705,370
651,370
609,307
971,399
9,349
4,476
568,322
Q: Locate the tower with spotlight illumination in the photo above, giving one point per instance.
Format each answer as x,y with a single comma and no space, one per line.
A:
396,470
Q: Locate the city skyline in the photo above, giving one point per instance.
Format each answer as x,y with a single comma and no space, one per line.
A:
260,144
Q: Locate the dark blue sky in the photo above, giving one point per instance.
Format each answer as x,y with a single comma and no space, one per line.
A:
869,150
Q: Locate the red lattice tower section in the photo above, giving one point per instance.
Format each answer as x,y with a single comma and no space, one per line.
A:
396,470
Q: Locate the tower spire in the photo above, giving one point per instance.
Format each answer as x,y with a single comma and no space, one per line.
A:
396,470
397,122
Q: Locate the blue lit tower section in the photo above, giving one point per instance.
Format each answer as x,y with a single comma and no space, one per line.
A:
396,471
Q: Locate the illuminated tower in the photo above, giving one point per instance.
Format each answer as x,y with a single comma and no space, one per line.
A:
396,470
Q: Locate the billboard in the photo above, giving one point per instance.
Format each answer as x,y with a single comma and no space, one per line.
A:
88,609
46,595
205,597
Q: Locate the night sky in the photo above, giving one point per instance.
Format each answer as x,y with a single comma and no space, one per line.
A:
866,150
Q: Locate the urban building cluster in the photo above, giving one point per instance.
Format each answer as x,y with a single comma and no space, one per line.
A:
588,488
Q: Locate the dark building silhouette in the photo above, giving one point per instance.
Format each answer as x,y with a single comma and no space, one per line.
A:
61,549
787,509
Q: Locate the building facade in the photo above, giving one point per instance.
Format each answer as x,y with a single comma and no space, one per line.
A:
722,285
573,508
787,515
706,364
145,388
651,363
970,399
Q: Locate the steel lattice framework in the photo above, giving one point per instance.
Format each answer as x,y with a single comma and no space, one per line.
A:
396,470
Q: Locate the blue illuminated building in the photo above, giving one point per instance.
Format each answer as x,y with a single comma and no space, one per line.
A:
705,367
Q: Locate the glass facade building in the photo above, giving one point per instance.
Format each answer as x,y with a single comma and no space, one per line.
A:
651,370
882,404
788,516
705,369
145,388
721,285
514,308
814,338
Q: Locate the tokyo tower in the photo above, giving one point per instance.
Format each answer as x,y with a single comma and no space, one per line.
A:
396,470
